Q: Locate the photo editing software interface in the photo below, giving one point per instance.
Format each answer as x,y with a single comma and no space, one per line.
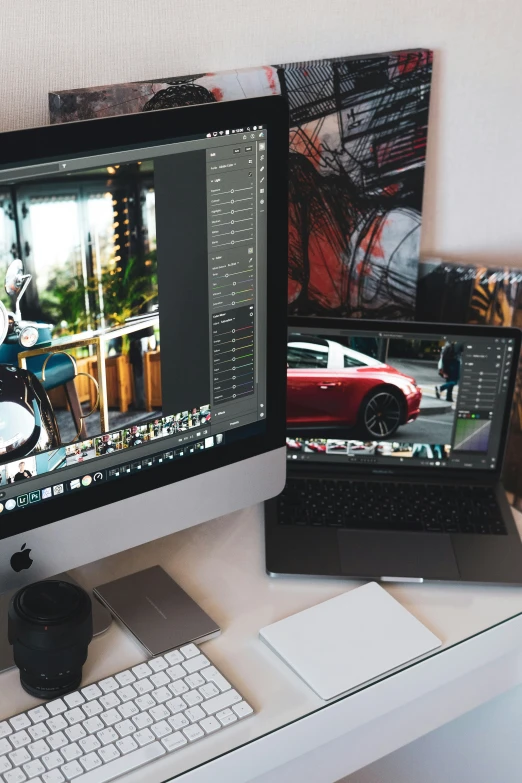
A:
140,336
386,399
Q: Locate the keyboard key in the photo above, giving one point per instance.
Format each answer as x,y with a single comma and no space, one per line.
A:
38,731
144,686
126,693
145,702
89,743
178,721
195,664
20,722
189,651
208,690
218,703
57,706
128,709
159,679
192,698
126,745
109,753
37,749
174,741
143,737
74,699
161,695
158,664
20,739
107,736
15,776
53,776
178,687
72,770
110,717
56,724
193,732
174,657
124,764
93,725
175,672
209,725
176,705
142,720
194,680
212,675
90,761
108,685
194,714
38,714
5,764
242,709
57,740
91,692
34,768
109,701
5,729
5,746
19,757
141,670
161,729
74,716
225,717
75,733
72,751
125,678
125,727
92,708
160,712
52,760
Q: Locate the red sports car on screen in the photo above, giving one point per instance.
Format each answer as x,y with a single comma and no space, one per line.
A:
331,387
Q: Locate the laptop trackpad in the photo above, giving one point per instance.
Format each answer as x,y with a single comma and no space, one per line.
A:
415,555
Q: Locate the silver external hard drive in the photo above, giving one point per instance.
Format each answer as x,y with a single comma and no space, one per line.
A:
156,610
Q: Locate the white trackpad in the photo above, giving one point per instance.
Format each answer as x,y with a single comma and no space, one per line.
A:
349,640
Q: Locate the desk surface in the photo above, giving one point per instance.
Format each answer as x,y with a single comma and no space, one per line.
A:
221,565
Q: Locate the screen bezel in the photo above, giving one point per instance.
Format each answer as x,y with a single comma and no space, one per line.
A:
90,137
351,325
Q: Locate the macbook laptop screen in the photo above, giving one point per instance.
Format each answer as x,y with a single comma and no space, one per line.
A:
373,397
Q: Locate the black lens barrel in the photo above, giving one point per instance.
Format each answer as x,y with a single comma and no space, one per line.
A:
50,628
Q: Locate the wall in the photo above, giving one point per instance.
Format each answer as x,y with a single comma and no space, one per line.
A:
473,201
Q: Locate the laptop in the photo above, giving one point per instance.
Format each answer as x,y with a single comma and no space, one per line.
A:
395,440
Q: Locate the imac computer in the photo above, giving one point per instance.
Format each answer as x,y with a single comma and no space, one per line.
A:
142,328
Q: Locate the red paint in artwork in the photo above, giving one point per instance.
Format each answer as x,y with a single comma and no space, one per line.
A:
407,62
217,93
327,278
270,79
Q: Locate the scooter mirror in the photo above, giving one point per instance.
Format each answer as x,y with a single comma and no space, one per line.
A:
14,278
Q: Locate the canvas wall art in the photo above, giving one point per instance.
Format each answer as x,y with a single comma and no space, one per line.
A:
478,295
357,153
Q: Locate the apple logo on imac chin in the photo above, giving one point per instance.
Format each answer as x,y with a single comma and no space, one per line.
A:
21,560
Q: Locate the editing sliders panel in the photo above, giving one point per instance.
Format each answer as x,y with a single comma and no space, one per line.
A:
233,354
234,207
482,376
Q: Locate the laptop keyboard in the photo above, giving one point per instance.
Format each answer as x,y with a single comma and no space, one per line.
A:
385,506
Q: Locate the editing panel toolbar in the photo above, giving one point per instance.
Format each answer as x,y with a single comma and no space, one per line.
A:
236,202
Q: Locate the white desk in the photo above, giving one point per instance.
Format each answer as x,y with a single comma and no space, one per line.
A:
221,565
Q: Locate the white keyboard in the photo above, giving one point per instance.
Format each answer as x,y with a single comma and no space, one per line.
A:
118,724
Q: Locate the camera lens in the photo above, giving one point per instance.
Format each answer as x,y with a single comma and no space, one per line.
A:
50,628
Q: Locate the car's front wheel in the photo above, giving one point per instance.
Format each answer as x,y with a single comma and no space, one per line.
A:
381,414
